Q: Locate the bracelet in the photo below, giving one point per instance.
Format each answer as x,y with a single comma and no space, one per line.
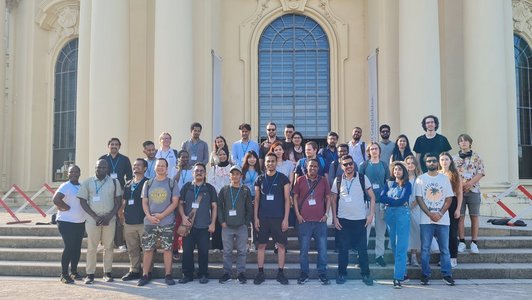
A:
439,212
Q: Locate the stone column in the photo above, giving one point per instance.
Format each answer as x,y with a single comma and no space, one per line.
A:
3,103
82,98
173,69
109,76
419,64
486,96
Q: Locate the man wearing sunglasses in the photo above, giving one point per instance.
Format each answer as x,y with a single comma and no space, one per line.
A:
434,195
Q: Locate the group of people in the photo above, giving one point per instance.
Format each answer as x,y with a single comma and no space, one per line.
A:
241,198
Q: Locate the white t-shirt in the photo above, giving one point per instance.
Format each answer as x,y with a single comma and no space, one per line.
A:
75,214
169,155
434,190
351,204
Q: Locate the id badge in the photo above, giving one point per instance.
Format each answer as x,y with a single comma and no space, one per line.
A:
311,201
232,213
269,197
130,202
195,205
194,157
114,175
96,199
347,199
375,186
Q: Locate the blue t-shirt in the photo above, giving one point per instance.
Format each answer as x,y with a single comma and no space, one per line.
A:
377,174
271,204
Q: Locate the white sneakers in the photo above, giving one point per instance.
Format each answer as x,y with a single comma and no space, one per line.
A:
461,247
122,249
474,248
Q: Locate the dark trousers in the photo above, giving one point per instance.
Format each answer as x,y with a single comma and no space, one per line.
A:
72,234
453,229
216,242
353,236
199,238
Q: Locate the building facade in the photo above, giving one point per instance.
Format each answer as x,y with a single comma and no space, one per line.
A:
80,72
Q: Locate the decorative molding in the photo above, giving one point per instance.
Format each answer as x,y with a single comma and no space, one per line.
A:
293,5
327,12
51,10
522,16
11,4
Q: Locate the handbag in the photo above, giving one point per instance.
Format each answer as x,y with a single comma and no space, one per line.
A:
184,230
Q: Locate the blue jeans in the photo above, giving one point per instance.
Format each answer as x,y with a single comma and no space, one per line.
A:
398,220
306,231
353,236
441,232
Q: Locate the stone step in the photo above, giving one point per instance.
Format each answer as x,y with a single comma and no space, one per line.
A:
485,242
513,255
463,271
51,230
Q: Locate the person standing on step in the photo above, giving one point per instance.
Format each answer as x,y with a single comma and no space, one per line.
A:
71,224
414,245
100,197
148,147
234,214
197,148
168,153
431,141
240,148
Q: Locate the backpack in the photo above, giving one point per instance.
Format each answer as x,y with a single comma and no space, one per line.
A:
303,161
171,184
362,185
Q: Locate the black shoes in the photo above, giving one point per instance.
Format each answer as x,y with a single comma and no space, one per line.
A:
242,278
76,276
168,279
340,279
367,280
225,278
281,278
107,277
448,280
380,261
259,278
324,280
89,279
424,279
66,279
143,281
203,279
303,278
185,279
131,276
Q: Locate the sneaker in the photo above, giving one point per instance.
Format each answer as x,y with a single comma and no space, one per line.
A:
215,250
89,279
169,280
242,278
252,248
424,279
281,278
76,276
324,280
303,278
448,280
396,284
380,261
66,279
340,279
122,249
367,280
99,248
406,279
185,279
259,278
225,278
176,256
413,261
203,279
150,277
143,280
107,277
461,247
130,276
474,248
454,263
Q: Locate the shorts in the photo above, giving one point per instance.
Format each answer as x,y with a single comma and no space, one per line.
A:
472,200
272,228
164,234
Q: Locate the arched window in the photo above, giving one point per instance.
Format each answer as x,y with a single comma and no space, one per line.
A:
294,76
66,74
523,76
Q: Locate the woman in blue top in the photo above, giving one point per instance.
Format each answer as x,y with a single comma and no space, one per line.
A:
250,172
395,196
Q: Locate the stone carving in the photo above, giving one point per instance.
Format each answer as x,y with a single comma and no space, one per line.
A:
522,16
260,12
289,5
324,5
66,21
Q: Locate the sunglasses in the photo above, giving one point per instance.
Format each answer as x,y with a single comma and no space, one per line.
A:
431,161
270,129
347,164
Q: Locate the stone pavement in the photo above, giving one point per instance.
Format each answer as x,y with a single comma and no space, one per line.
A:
51,288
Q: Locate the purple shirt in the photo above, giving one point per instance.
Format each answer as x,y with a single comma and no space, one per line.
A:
313,207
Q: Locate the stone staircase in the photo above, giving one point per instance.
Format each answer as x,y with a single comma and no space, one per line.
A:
505,253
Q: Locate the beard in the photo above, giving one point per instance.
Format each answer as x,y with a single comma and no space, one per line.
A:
432,168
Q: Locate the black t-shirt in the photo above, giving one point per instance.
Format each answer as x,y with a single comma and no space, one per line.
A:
437,144
119,165
133,212
272,185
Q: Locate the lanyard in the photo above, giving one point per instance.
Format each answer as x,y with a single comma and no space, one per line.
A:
196,192
308,184
114,165
183,177
134,187
252,179
234,199
96,185
348,188
244,150
193,147
150,168
274,180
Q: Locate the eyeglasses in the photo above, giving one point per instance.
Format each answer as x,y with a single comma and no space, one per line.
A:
270,129
347,164
431,161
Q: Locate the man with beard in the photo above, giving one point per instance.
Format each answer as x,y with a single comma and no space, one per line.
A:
385,143
357,147
329,152
430,142
271,137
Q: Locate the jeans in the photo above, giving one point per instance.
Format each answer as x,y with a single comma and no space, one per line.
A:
229,234
306,231
380,229
441,232
353,236
398,220
72,234
199,237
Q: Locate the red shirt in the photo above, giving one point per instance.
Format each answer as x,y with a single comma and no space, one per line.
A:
311,212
